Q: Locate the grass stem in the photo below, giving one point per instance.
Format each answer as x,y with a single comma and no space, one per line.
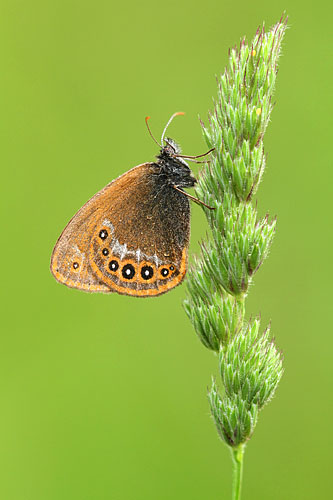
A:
237,454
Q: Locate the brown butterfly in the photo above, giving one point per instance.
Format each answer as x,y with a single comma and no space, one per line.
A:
132,237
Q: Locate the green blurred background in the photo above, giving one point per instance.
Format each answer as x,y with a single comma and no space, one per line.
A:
104,397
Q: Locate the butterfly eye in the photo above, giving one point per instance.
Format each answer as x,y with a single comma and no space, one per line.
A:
75,265
166,270
113,265
128,271
103,234
147,272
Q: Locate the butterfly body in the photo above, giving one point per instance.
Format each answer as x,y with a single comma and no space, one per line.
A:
132,237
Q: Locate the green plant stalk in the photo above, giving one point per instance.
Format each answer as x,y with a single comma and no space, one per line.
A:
237,455
250,365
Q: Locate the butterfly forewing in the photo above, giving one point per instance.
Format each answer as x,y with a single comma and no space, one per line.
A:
69,262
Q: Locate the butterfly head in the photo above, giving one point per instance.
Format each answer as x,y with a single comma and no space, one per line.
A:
172,163
174,166
171,151
171,147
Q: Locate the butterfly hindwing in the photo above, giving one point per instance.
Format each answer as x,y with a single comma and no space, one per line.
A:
131,237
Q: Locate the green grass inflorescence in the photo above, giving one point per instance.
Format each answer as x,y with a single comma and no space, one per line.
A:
249,363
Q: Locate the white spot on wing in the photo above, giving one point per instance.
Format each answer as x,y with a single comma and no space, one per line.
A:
108,224
157,260
122,251
78,252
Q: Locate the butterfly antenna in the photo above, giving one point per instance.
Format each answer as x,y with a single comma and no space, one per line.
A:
170,120
151,135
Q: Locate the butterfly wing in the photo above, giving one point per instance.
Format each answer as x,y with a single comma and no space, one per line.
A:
132,237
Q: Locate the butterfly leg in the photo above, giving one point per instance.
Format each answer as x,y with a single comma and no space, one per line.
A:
196,200
197,156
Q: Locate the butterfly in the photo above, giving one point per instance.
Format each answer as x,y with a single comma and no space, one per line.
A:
132,237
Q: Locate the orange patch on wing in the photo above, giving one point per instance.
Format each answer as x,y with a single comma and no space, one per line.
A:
148,292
